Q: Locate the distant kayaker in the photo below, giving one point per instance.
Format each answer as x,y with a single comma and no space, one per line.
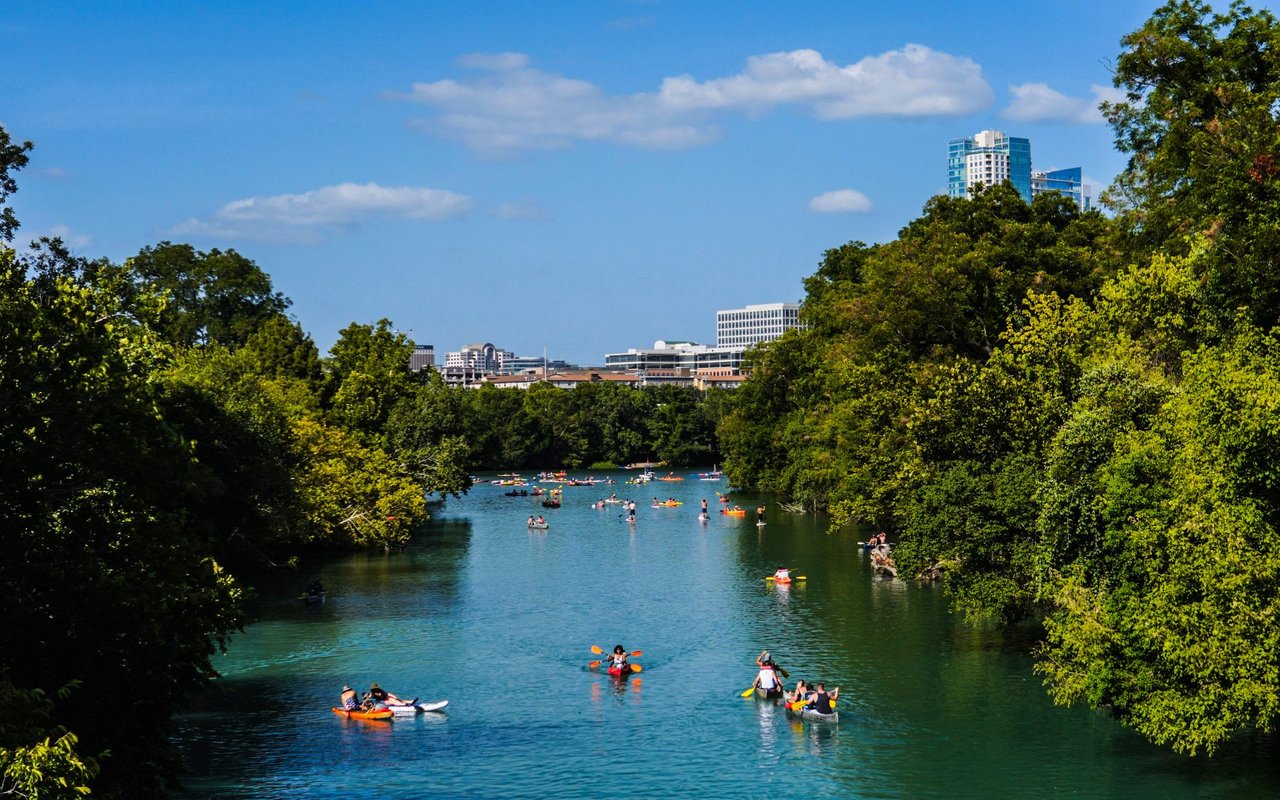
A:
350,700
618,661
783,575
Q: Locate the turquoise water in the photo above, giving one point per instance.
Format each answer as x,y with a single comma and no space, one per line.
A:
499,620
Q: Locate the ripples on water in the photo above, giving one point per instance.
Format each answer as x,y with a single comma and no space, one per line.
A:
499,620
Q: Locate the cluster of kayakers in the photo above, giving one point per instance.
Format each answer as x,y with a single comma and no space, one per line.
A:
812,696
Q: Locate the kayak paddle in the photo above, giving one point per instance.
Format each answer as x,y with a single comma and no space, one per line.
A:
749,692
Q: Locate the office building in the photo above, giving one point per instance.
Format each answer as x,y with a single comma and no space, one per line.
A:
992,157
422,357
746,327
1067,181
988,158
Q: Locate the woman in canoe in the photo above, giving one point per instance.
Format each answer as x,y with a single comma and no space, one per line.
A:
800,695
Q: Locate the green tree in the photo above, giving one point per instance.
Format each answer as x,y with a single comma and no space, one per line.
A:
96,490
13,157
1201,124
218,297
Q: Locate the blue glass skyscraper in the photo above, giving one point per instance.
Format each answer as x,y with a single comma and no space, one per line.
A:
989,157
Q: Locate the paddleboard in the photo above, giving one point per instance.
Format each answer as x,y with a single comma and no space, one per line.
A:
414,709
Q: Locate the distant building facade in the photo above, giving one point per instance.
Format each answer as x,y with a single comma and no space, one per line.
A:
740,328
992,157
1067,181
422,357
671,355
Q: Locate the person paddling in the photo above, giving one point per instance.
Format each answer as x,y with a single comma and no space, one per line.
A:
768,680
821,700
618,661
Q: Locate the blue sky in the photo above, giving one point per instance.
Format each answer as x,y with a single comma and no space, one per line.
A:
577,176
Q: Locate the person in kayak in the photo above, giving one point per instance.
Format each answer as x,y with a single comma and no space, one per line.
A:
783,575
381,697
820,700
768,680
618,661
350,700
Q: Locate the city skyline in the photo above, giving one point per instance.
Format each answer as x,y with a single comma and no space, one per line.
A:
580,177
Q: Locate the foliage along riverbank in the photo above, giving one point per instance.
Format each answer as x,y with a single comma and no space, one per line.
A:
166,427
1077,415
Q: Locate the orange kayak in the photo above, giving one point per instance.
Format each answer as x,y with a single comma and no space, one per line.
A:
385,713
730,512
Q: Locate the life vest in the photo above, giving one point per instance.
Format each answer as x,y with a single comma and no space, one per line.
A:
769,680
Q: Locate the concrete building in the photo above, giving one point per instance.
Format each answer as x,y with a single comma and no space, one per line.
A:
740,328
422,357
673,355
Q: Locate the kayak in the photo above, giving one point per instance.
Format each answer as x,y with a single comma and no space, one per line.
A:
667,504
416,708
382,713
730,512
812,715
618,673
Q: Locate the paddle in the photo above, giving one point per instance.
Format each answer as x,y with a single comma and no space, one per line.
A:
749,692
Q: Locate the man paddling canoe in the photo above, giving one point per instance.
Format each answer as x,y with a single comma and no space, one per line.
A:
768,681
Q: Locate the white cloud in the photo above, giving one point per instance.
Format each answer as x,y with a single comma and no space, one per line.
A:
912,82
73,240
514,106
497,62
840,201
1038,102
521,209
304,216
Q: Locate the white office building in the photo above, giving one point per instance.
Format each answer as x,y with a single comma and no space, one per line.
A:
740,328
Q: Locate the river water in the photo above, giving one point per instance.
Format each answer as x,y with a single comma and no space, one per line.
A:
499,620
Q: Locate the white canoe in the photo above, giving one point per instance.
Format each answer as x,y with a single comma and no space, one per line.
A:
407,708
814,716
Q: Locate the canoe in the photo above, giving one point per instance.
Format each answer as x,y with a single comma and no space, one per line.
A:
536,527
728,512
410,708
382,713
762,694
812,715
